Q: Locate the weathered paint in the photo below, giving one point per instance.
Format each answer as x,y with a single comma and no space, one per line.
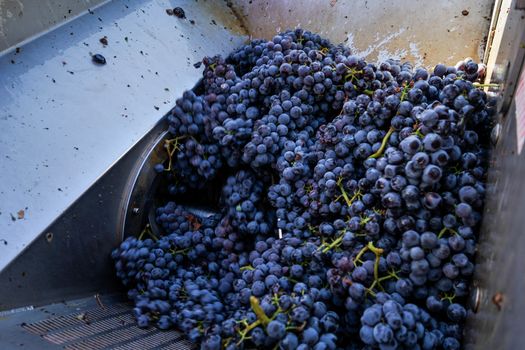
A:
421,31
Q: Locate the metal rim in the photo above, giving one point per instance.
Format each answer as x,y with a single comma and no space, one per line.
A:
140,185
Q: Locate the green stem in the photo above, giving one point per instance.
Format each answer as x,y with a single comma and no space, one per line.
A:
364,220
256,307
406,88
347,199
252,325
418,133
377,251
479,85
335,243
147,230
374,249
245,331
383,144
360,254
376,268
444,230
299,328
449,297
276,313
143,232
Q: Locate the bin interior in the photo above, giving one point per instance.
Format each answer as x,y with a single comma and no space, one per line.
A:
56,259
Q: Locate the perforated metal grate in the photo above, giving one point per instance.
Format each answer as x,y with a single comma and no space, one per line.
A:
108,327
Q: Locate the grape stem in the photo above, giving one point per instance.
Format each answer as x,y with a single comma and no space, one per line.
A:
348,200
275,299
374,249
335,243
148,231
143,232
377,252
479,85
351,74
262,319
391,274
180,251
299,328
404,92
259,312
449,297
383,144
171,146
364,220
444,230
359,255
245,331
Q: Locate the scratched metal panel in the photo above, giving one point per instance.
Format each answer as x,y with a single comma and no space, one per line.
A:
498,282
498,324
423,32
101,322
71,258
65,121
21,19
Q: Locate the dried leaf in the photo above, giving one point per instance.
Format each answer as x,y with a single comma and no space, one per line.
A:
194,222
497,299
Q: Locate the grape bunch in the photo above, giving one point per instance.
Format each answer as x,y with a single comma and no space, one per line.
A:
242,200
350,199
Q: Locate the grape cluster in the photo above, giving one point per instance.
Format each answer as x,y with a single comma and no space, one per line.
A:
242,200
388,324
350,200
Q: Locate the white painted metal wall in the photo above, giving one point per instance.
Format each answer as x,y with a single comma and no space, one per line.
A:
421,31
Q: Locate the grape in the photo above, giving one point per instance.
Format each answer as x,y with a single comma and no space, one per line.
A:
142,321
394,320
276,330
456,312
290,342
431,174
310,336
411,144
432,142
366,333
349,194
382,333
450,343
371,316
428,118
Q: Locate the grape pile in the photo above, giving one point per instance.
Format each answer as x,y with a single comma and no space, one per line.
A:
350,200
